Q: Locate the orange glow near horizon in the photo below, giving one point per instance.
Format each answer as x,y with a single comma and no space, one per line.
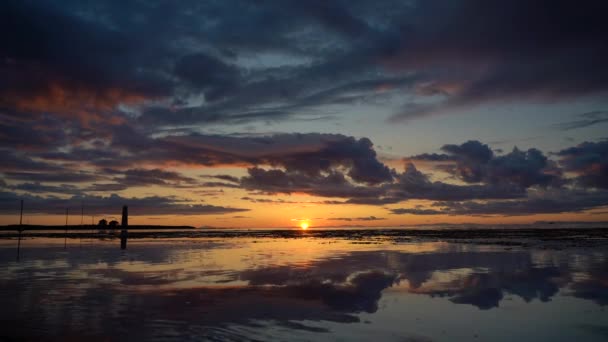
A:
304,225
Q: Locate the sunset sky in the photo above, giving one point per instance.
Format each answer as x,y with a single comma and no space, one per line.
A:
335,113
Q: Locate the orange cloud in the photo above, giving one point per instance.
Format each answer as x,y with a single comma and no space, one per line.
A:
89,106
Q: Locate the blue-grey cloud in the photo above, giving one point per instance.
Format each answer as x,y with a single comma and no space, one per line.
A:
584,120
350,219
476,162
590,161
541,202
100,205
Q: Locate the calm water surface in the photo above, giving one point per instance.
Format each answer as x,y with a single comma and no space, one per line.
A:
300,289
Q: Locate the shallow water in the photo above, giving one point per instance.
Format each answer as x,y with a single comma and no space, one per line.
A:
301,289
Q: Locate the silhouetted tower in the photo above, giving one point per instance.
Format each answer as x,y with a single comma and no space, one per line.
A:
65,239
125,216
125,223
21,215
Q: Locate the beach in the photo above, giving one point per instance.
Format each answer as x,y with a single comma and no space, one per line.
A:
389,285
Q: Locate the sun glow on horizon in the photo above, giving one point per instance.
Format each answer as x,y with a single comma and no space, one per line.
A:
304,225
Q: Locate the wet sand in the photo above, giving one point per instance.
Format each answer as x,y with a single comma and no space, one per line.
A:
321,285
528,237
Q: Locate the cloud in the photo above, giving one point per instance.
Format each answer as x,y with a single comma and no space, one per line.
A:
142,177
256,63
413,184
310,153
116,98
476,162
227,178
349,219
16,162
589,161
61,62
211,75
326,165
98,205
55,177
537,202
37,187
416,211
586,120
548,57
504,272
332,184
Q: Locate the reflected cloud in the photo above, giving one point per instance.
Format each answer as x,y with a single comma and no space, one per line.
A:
160,289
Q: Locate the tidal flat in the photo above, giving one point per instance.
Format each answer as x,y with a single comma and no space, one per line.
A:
334,285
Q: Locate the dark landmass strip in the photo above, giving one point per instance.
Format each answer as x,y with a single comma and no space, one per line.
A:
26,227
544,238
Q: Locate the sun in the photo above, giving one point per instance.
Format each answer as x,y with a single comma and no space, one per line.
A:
304,225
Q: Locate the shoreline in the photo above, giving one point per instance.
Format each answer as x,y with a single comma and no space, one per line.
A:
559,237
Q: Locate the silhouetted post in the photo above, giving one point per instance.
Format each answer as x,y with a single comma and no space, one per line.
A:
65,238
21,215
125,223
81,221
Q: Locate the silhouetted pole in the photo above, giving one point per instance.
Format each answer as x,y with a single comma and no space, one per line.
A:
21,215
65,239
20,230
81,221
125,223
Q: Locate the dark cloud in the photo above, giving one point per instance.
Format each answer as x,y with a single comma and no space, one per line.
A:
218,185
505,273
207,73
471,150
549,55
270,62
111,94
56,60
16,162
143,177
585,120
413,184
486,290
106,187
332,184
123,55
98,205
589,161
310,153
538,202
433,157
349,219
227,178
416,211
594,287
268,200
326,165
55,177
476,162
41,188
24,133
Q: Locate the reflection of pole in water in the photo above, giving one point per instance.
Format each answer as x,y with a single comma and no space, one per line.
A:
125,223
20,230
92,227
